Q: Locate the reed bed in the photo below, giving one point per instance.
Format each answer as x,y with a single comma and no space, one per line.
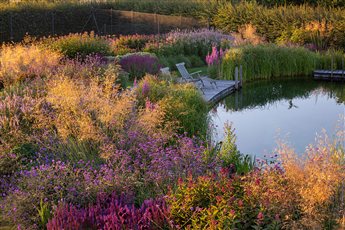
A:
272,61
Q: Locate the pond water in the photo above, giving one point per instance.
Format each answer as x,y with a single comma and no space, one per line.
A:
292,110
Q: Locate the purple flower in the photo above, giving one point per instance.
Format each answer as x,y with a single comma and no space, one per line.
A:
145,88
139,64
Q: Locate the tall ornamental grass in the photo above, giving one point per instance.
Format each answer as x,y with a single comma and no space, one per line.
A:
19,62
272,61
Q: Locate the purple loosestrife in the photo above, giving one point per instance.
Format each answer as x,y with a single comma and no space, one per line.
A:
138,64
215,57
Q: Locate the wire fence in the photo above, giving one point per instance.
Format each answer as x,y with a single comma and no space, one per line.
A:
14,26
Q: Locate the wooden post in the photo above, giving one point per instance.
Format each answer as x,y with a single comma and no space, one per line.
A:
53,23
241,99
332,67
95,21
343,68
11,26
132,21
236,100
236,77
111,21
241,75
157,22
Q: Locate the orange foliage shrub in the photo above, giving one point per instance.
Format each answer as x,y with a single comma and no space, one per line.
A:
247,35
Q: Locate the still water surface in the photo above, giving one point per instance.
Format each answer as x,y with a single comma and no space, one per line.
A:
292,110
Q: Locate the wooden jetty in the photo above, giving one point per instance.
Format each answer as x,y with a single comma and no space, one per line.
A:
213,94
329,75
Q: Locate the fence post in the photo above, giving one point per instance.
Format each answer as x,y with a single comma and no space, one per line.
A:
132,20
236,100
241,98
332,66
53,23
343,68
157,20
236,77
95,20
11,26
111,20
241,75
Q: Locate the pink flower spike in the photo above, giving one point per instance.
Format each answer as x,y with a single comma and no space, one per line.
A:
260,216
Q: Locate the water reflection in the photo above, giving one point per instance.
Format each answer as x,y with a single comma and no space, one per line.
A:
294,110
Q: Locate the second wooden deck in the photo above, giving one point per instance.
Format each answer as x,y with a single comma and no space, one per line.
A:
329,75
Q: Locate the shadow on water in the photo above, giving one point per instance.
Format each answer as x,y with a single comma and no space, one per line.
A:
264,93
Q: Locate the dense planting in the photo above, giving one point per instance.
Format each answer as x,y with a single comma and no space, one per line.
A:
140,54
78,149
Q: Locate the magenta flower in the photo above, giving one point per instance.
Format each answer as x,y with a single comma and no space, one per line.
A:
260,216
215,57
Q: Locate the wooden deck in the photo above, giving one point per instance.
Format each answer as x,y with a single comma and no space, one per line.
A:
213,94
329,75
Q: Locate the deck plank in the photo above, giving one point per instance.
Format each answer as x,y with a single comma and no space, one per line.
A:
329,75
212,94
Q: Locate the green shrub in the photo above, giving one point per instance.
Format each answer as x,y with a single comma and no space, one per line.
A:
181,103
213,71
231,156
196,61
171,61
164,61
79,45
130,44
